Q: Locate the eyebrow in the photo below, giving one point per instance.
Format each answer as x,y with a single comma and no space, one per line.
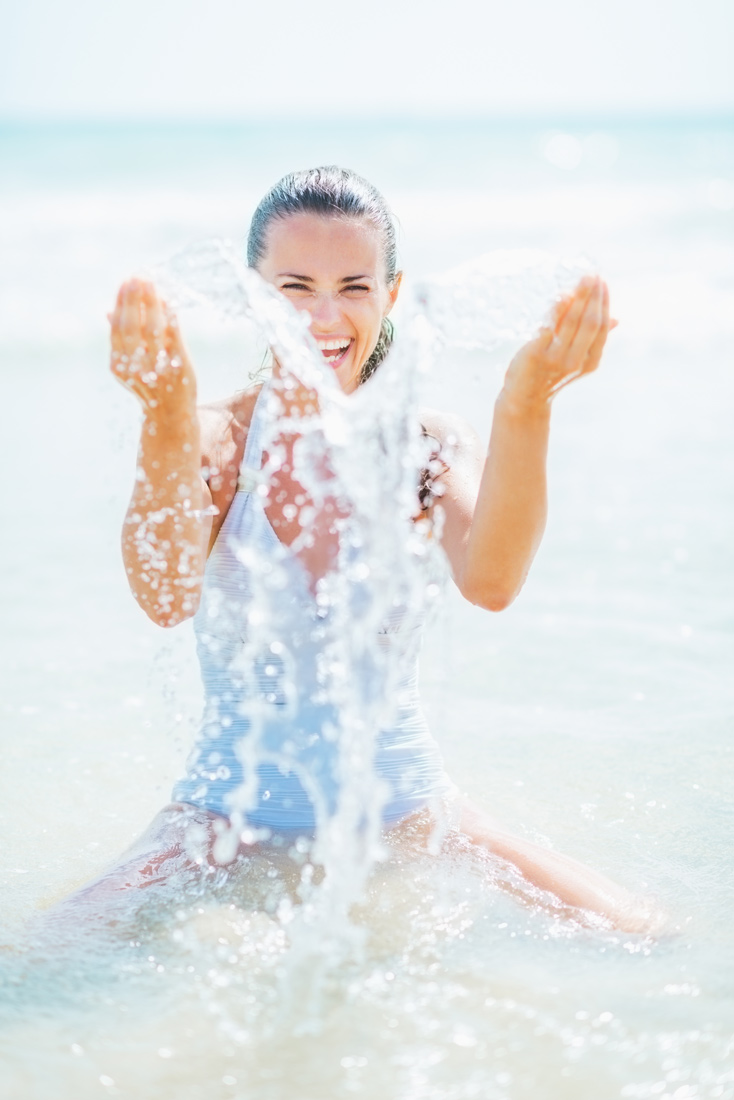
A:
309,279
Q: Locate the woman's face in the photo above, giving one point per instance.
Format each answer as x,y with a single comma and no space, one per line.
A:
333,268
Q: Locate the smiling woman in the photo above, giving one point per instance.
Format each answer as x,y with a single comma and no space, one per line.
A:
200,540
347,310
365,229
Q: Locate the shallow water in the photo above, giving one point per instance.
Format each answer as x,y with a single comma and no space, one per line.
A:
595,714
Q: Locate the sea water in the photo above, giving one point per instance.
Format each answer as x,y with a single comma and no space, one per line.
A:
595,715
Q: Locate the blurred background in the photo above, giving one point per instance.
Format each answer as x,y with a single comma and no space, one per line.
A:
597,712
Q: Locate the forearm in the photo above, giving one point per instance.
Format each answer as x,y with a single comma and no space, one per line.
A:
492,532
164,534
510,513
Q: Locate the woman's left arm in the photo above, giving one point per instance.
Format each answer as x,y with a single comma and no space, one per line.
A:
495,513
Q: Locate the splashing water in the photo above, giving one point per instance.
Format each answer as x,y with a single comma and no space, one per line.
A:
597,711
375,453
501,296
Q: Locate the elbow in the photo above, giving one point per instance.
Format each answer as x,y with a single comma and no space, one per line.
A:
167,618
489,595
496,601
169,613
167,621
492,600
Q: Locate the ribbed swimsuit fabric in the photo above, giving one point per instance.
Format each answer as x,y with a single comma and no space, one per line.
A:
268,746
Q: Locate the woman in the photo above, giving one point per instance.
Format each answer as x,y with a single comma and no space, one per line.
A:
325,240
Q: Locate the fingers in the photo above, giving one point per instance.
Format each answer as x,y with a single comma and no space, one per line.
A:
126,331
586,318
136,328
569,310
148,356
115,319
153,319
605,304
569,347
130,314
542,342
561,309
140,320
169,317
594,354
582,299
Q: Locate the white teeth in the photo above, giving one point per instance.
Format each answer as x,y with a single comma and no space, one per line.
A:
333,345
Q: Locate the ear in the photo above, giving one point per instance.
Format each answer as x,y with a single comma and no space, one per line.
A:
393,291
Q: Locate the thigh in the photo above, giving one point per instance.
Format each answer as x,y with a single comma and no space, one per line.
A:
174,852
573,884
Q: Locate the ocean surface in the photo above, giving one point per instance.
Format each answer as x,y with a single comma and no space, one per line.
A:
596,715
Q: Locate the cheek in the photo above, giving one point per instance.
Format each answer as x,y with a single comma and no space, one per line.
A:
297,303
370,322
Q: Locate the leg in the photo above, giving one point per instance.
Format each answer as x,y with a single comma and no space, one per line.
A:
573,883
176,849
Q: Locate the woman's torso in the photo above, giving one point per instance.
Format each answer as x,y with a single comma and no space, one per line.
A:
277,719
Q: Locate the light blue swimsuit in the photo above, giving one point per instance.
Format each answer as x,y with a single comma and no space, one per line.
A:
268,744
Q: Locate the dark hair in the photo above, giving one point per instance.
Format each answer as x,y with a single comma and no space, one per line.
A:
428,487
329,191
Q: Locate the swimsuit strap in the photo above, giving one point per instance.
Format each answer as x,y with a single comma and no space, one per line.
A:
249,476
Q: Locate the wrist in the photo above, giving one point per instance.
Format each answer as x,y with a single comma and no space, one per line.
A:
171,396
524,406
174,419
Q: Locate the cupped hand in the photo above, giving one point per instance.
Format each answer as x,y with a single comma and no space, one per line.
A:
564,351
148,356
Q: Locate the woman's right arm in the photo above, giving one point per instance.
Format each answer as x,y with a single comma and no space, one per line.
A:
166,533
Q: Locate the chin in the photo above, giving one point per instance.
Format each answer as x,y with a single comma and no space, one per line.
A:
348,378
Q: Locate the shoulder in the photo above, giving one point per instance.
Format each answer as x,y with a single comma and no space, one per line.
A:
458,461
456,437
224,425
226,420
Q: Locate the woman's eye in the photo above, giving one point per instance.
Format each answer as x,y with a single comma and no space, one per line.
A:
357,287
294,286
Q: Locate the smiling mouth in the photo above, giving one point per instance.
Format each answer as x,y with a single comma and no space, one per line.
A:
335,351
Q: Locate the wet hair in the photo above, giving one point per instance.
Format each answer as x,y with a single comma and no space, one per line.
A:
330,191
429,487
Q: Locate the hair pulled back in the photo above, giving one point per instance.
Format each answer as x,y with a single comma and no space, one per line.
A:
330,191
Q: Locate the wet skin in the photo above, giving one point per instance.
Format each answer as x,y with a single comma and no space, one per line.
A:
493,503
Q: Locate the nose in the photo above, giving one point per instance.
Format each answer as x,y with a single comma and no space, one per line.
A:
325,312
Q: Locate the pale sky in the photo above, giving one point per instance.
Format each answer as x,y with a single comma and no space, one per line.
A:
336,58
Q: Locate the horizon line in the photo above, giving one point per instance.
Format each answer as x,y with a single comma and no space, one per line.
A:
543,116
